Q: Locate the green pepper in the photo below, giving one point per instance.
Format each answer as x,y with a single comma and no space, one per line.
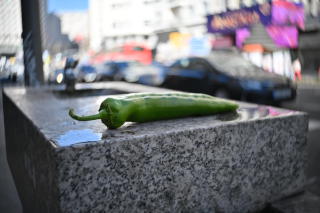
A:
115,110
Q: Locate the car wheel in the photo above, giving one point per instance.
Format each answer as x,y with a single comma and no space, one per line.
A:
222,93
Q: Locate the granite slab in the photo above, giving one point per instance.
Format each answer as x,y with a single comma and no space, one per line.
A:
233,162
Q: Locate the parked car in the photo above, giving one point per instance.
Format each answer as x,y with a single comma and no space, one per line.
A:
131,51
11,72
152,74
56,77
86,73
5,75
111,70
227,74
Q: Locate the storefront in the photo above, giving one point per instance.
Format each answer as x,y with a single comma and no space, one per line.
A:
266,33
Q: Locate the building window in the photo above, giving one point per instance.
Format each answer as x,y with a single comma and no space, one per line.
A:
147,23
150,1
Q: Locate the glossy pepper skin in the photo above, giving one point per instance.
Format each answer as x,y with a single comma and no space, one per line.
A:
115,110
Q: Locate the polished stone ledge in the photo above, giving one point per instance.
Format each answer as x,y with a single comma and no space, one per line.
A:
233,162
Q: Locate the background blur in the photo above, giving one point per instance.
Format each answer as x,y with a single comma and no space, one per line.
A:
163,30
144,41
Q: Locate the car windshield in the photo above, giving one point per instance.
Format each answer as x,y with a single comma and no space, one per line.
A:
231,63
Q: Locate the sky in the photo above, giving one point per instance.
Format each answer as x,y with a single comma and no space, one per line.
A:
63,5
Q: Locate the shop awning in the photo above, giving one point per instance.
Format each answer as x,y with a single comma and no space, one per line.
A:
260,36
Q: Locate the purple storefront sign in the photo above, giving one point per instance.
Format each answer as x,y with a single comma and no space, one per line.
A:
241,35
283,36
230,21
287,13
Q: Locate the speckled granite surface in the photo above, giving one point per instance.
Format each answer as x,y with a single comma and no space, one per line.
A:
233,162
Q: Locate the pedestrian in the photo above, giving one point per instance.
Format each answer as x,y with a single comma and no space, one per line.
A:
297,70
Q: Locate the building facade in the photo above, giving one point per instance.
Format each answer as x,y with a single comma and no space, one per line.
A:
11,25
113,22
75,24
56,41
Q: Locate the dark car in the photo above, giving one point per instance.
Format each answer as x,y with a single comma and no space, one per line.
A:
228,75
86,73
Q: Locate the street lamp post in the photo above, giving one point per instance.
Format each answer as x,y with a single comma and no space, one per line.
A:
31,35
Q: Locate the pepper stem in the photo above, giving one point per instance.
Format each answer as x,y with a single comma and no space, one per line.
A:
100,115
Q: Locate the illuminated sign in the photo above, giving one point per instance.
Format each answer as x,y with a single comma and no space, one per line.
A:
283,36
245,17
287,13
